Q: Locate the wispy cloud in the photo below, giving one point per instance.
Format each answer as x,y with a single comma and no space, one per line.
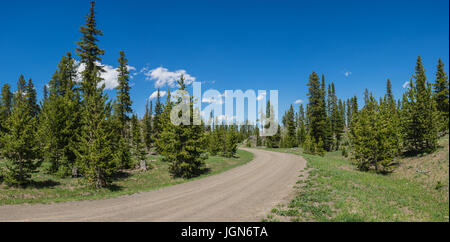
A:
298,101
155,94
261,96
162,77
406,84
226,118
347,73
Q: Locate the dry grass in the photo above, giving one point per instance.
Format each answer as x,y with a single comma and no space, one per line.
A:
431,170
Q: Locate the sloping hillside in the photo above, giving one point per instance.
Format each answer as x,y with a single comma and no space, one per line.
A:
335,191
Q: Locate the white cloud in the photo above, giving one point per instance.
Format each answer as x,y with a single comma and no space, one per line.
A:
347,73
155,94
261,96
298,101
110,76
208,100
212,100
226,118
406,85
162,77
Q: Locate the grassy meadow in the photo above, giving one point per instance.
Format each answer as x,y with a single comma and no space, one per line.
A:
418,190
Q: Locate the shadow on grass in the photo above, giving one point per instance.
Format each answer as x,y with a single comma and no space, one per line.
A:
415,153
41,184
121,175
115,188
204,171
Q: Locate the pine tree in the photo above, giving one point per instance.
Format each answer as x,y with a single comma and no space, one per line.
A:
213,142
231,140
366,97
301,129
355,107
5,106
334,115
389,94
317,115
327,136
272,141
123,105
419,114
95,152
441,95
45,93
158,123
391,109
135,133
291,140
21,86
183,145
339,124
374,137
308,145
20,145
258,136
122,109
141,155
30,95
276,139
148,125
349,113
60,119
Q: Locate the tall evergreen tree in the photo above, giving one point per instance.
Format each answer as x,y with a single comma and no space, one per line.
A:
366,96
349,113
258,136
95,150
419,114
20,145
136,135
45,93
215,144
340,124
183,145
291,140
271,141
231,140
389,94
318,127
31,99
148,124
157,120
60,119
123,105
5,106
441,95
21,86
122,109
301,130
335,118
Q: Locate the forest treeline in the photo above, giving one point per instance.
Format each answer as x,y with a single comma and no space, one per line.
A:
79,131
376,132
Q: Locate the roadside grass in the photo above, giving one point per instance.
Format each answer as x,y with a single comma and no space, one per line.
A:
335,191
47,188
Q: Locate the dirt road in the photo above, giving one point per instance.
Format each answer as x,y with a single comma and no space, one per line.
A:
246,193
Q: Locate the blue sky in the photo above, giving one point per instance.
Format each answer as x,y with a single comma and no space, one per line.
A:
267,45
